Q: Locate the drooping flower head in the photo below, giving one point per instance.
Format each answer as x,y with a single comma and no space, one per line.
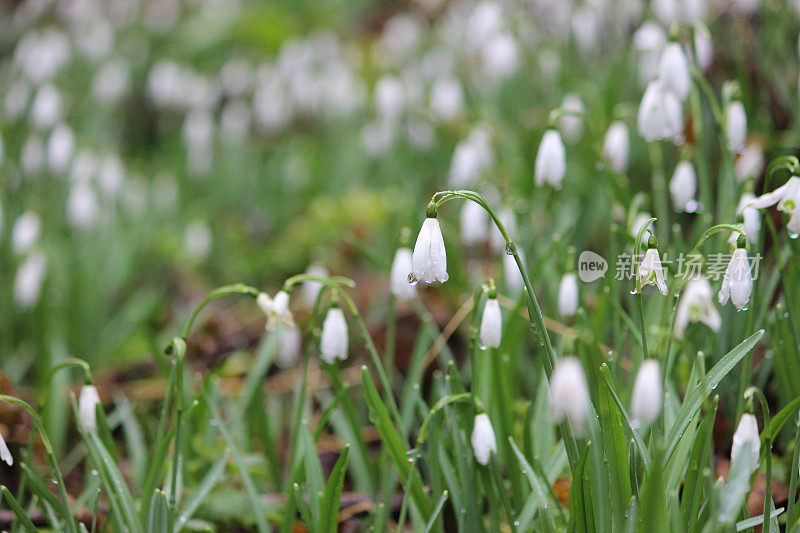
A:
334,340
551,160
568,295
616,146
87,405
276,309
483,439
673,70
747,440
401,269
697,305
646,399
787,197
429,261
660,113
737,283
491,323
569,394
735,126
683,186
651,272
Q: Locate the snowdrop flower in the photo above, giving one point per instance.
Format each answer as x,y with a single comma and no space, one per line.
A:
276,309
640,220
290,343
703,47
735,126
111,176
491,324
483,439
696,305
649,41
749,163
401,268
46,107
737,283
60,149
447,98
87,405
474,222
500,57
568,295
5,453
747,440
660,113
751,218
111,82
28,280
310,288
787,197
569,394
683,186
25,232
333,342
429,261
647,394
390,97
673,70
570,124
616,146
651,271
551,160
197,240
82,207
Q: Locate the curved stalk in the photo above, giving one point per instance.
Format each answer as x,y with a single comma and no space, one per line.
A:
748,394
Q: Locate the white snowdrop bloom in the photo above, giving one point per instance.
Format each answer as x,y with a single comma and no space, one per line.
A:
60,149
5,453
787,197
401,269
651,272
447,98
309,290
83,209
509,220
747,440
474,223
735,126
198,129
333,341
32,155
84,166
500,57
41,55
197,240
673,70
234,121
111,176
491,324
683,186
111,82
750,162
96,39
587,29
570,124
482,23
660,114
616,146
46,108
25,232
87,405
647,397
291,342
401,34
649,41
568,295
271,108
276,309
28,280
696,305
429,261
235,77
390,97
666,11
569,394
703,47
471,157
15,100
512,275
751,217
551,160
483,439
737,283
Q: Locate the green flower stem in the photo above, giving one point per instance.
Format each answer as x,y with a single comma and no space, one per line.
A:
705,87
637,254
391,333
237,288
698,119
767,436
74,362
335,285
536,317
712,230
51,457
793,476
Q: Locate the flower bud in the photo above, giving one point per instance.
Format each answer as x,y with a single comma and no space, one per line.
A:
334,340
29,279
87,405
660,113
483,440
646,398
551,160
735,126
673,70
5,453
616,146
401,268
25,232
683,186
491,324
429,261
737,283
746,440
569,394
568,295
